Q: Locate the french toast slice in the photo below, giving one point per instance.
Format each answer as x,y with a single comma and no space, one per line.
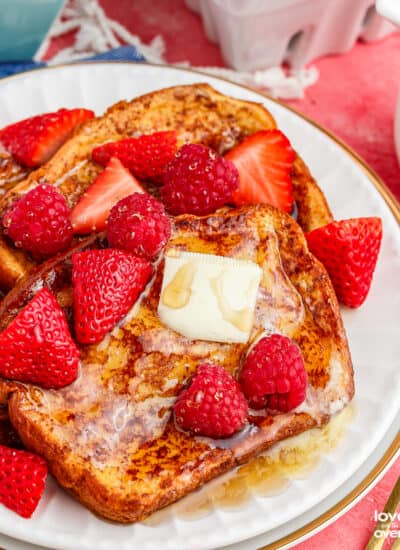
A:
197,112
110,439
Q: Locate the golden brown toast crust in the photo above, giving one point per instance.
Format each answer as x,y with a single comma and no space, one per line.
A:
198,113
109,437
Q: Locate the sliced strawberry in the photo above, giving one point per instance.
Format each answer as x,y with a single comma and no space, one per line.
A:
349,251
22,480
112,185
147,155
37,346
106,284
34,140
264,161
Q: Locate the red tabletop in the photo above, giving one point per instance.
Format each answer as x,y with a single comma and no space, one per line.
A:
355,97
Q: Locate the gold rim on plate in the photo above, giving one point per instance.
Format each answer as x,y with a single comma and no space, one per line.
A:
394,207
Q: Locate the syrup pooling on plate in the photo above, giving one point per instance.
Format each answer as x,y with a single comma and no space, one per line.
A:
266,475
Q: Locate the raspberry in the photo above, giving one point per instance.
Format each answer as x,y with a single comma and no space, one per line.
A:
146,156
213,405
198,181
274,375
39,222
138,223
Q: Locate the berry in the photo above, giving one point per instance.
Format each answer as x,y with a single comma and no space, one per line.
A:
198,181
273,375
37,347
106,284
349,251
138,223
22,480
34,140
264,161
39,222
147,155
213,405
113,184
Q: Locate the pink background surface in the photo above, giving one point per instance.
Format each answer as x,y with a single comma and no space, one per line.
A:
355,97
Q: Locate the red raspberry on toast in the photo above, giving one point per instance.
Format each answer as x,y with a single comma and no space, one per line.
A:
198,181
273,375
37,346
34,140
113,184
39,222
138,223
22,480
106,284
349,251
213,405
146,156
264,161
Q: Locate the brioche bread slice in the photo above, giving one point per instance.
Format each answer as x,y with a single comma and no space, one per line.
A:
110,438
197,112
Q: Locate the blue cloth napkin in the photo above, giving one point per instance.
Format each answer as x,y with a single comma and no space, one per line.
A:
124,53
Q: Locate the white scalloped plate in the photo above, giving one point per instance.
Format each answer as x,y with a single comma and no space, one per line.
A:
373,330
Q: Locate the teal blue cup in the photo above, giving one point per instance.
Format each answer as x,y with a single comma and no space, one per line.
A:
24,25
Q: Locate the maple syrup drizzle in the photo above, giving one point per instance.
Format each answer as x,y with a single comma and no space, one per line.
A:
177,293
242,319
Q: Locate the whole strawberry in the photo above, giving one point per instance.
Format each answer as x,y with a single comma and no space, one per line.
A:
146,156
138,223
106,284
34,140
273,375
37,347
198,181
349,251
39,222
22,480
213,405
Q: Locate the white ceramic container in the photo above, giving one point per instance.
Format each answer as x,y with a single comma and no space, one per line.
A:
391,10
256,34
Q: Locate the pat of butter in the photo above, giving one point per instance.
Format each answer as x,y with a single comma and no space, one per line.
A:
208,297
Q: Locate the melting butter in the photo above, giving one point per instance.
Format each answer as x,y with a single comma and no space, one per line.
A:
209,297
